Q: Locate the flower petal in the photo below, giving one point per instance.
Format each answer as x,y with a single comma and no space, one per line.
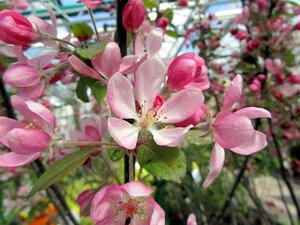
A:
21,140
128,66
256,143
148,80
34,92
137,189
12,160
7,125
83,69
254,112
231,130
216,164
107,63
21,75
192,219
234,93
123,133
120,97
169,137
180,106
154,40
102,208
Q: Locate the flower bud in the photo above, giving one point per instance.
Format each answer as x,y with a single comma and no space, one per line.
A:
133,15
162,22
16,29
91,4
183,2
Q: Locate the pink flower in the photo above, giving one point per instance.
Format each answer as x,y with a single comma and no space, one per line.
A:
133,15
183,2
234,130
91,4
26,140
16,29
243,18
274,66
106,63
114,204
162,22
148,81
92,129
20,4
262,4
192,219
194,119
188,71
84,200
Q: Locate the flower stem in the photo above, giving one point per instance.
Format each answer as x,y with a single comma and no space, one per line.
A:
48,36
85,144
94,23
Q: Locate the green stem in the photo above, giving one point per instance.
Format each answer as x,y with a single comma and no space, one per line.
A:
94,23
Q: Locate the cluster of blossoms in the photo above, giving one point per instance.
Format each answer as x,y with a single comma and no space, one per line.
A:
148,99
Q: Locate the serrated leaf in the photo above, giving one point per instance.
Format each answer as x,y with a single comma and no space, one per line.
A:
60,169
82,31
198,137
171,33
163,162
92,50
81,91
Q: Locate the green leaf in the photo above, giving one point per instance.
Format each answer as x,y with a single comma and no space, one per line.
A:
115,154
82,31
98,91
169,14
92,50
60,169
151,4
163,162
171,33
198,137
81,90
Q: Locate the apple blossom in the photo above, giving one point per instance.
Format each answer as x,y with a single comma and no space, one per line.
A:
148,80
233,130
91,4
17,136
243,18
192,219
188,71
133,15
16,29
84,200
114,204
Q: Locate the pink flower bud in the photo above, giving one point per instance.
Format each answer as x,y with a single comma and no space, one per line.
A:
280,77
296,26
16,29
261,77
183,2
294,79
162,22
185,69
91,4
133,14
262,4
84,201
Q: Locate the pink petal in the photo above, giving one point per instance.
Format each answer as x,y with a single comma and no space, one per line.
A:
216,164
21,75
231,130
6,126
34,92
35,112
148,80
256,143
154,40
123,133
12,160
234,92
127,66
192,219
254,112
83,69
107,63
155,214
42,61
83,200
169,137
137,189
102,209
180,106
120,97
21,140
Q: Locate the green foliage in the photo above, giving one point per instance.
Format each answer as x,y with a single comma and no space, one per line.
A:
163,162
82,31
115,154
151,4
171,33
60,169
98,90
90,51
